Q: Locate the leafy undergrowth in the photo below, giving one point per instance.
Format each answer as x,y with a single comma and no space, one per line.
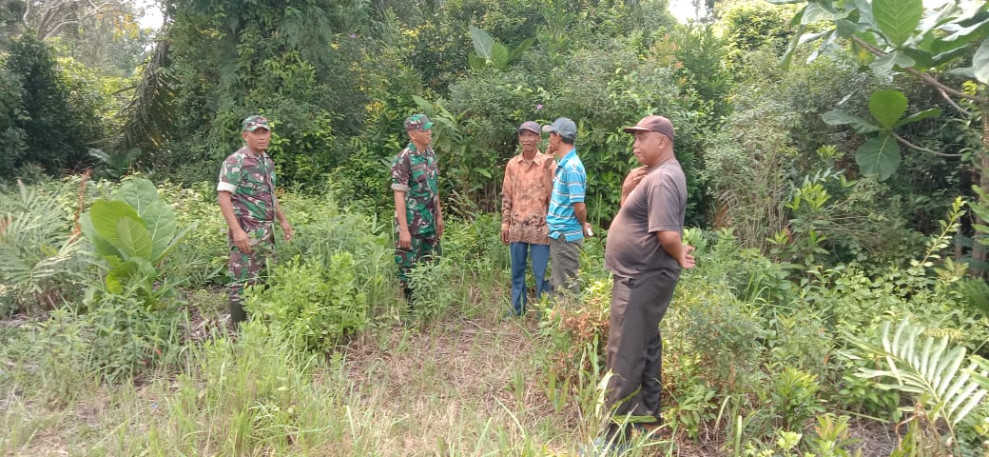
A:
759,360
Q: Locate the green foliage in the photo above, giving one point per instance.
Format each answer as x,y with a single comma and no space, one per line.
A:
927,368
833,438
312,307
12,137
323,230
54,128
753,25
694,408
289,62
893,37
794,397
111,338
488,52
132,234
974,294
40,261
880,156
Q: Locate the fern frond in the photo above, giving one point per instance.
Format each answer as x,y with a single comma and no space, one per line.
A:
927,367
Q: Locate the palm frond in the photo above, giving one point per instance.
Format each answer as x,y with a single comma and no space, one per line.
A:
146,116
928,368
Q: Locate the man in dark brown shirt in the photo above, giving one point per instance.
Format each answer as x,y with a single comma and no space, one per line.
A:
645,253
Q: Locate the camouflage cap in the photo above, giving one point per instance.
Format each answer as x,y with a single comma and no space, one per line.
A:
564,127
253,123
418,122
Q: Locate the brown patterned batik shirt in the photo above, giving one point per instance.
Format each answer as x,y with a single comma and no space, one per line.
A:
525,195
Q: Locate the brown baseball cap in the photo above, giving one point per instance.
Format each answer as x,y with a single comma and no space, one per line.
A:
653,123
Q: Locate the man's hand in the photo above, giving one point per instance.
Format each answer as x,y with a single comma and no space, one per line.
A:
504,233
588,232
632,181
686,259
241,240
287,228
404,240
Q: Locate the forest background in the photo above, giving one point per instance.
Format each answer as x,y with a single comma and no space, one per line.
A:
837,161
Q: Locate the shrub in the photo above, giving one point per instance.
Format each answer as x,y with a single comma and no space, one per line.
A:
312,307
55,130
40,259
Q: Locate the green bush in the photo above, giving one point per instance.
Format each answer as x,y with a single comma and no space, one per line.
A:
41,261
312,307
56,128
794,398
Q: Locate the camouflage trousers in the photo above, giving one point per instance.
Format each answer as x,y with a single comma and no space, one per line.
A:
246,268
423,248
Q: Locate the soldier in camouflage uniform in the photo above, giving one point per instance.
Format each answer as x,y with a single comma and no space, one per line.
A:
246,193
418,215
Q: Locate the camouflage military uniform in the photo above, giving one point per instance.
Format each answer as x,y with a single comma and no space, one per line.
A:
416,173
250,179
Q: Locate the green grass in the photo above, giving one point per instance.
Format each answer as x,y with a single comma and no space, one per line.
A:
456,386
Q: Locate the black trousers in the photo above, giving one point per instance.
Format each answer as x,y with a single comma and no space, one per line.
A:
635,346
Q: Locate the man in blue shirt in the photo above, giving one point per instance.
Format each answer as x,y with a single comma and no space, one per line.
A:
567,218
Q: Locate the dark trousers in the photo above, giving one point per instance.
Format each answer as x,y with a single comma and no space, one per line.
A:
540,258
635,345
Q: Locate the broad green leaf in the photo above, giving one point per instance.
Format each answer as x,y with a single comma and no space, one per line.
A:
917,117
879,157
883,66
102,246
922,60
106,214
888,106
864,9
964,34
898,19
499,56
860,125
135,241
159,219
817,12
137,192
482,42
847,28
980,62
945,57
476,63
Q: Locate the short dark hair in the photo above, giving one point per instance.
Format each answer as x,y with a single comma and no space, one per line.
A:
566,140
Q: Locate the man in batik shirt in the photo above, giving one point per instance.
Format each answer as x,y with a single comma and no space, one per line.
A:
246,193
525,194
418,214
